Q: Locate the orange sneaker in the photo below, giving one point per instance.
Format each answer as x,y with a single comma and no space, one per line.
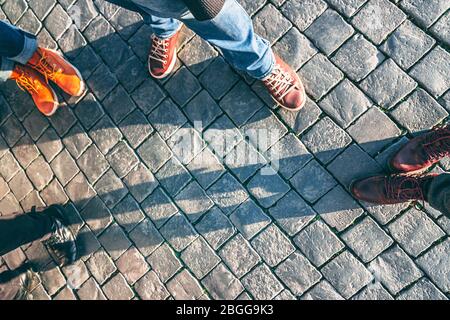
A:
54,67
31,81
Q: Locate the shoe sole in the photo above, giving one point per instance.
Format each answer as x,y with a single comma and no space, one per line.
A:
169,70
82,84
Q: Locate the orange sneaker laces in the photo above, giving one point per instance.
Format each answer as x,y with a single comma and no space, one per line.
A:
159,50
280,82
49,71
26,83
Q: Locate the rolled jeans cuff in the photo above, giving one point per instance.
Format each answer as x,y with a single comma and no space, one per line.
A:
6,68
30,45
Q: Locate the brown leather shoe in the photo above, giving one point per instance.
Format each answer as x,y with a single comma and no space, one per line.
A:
392,189
34,83
423,151
285,86
54,67
163,56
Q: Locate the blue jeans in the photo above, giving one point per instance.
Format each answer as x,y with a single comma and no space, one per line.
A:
231,31
15,46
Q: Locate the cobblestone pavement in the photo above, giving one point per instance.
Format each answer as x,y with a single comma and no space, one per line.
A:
158,220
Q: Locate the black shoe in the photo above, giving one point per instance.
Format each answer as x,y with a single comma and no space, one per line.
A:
61,243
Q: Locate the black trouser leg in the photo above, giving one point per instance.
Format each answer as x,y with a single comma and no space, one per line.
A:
439,193
19,229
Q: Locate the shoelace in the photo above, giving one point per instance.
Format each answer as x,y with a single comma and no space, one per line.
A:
404,188
280,82
25,83
437,144
159,50
49,71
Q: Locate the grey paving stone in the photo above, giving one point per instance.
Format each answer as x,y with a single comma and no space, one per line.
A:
272,245
89,111
146,237
270,23
117,288
86,61
215,228
444,223
432,72
126,22
132,265
79,191
244,160
90,290
366,131
312,189
262,274
206,168
110,188
294,48
425,12
140,182
167,118
422,290
197,54
373,292
345,103
122,159
200,258
96,215
173,176
159,207
148,95
179,232
12,130
415,231
228,77
25,151
227,193
164,262
347,274
131,73
202,110
353,164
303,13
419,112
326,140
127,213
76,141
135,128
264,129
388,84
267,187
105,134
184,287
154,152
9,166
322,291
441,28
118,104
251,6
395,269
41,9
193,201
151,288
93,164
249,219
101,266
35,123
338,209
318,243
407,45
101,81
288,155
20,185
323,31
222,285
301,120
298,273
377,19
186,143
319,75
367,239
239,256
347,7
435,263
57,22
182,86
